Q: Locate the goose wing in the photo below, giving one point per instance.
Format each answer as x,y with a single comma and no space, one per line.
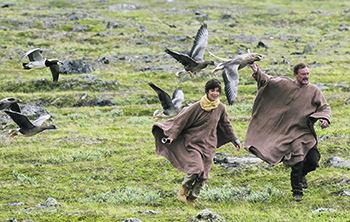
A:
182,58
200,43
39,121
21,120
33,55
163,97
178,97
231,78
55,71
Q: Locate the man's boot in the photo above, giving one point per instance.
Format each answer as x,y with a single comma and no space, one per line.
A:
191,201
182,194
297,195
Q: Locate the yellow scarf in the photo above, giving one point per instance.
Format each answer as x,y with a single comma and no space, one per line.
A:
208,105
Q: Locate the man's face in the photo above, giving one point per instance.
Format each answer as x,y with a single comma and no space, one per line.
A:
302,77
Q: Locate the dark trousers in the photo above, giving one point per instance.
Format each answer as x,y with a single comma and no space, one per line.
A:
300,169
195,183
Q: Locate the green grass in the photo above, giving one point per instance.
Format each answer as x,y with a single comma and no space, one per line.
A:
100,165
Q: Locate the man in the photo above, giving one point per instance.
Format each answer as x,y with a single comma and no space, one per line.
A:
282,124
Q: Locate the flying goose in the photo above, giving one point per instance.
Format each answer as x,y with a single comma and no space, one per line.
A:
26,127
10,103
171,106
230,72
193,62
37,61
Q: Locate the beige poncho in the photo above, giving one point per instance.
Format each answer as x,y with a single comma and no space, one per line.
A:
197,134
283,117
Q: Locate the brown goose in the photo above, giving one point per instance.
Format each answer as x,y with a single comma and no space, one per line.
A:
171,106
230,72
10,103
26,127
193,62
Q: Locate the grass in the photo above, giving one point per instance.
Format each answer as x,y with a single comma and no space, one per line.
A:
100,165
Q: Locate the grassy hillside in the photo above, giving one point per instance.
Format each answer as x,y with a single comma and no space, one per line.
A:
100,165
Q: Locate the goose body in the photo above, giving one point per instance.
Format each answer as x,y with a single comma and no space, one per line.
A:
37,61
193,62
26,127
171,106
230,72
10,103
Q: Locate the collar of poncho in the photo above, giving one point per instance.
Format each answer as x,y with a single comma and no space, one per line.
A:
209,105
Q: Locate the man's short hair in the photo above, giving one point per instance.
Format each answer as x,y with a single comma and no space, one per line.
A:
212,84
298,66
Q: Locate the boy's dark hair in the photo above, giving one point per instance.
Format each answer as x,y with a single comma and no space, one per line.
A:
212,84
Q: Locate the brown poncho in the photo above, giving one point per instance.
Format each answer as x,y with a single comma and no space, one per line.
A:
197,134
283,117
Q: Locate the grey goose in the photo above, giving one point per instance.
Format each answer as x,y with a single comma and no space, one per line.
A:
230,72
193,62
26,127
171,106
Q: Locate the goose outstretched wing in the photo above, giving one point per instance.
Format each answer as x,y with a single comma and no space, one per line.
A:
163,97
200,43
33,55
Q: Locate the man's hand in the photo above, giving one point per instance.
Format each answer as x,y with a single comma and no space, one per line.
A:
238,146
324,123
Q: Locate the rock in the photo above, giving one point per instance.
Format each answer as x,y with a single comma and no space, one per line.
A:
244,160
147,212
73,17
203,16
121,7
51,202
317,11
16,204
347,101
343,27
132,220
75,66
94,102
287,61
196,12
209,216
323,210
338,162
321,86
226,16
307,49
262,44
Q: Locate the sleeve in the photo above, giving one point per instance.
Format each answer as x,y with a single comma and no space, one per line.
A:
182,121
261,78
323,110
225,132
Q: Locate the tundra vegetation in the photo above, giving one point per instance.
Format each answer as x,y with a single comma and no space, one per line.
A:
100,165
